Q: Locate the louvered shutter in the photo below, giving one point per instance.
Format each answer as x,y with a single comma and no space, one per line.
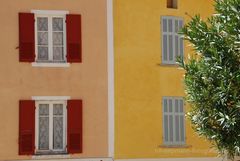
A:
172,43
181,44
173,121
165,121
74,41
26,37
74,126
164,40
182,137
26,127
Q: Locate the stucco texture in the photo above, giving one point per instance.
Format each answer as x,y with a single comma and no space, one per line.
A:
141,80
86,80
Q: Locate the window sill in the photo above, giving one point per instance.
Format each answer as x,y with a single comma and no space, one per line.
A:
63,65
174,146
169,65
51,156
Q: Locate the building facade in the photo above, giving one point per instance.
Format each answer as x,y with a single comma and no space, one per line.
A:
54,84
96,80
149,91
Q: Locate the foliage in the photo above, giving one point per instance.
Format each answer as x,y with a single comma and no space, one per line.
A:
212,78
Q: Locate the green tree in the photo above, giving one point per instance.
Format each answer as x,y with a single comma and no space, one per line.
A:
212,77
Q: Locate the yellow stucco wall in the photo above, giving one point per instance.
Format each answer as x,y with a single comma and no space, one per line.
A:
86,81
141,80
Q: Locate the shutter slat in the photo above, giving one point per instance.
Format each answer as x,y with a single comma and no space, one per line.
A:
26,127
74,41
74,127
26,37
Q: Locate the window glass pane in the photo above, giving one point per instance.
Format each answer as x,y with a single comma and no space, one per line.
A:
171,128
44,133
58,53
57,24
42,53
58,109
42,24
57,38
164,25
58,132
177,127
170,42
43,109
43,127
166,128
165,49
42,38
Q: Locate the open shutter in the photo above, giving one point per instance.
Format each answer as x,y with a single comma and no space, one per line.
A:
26,127
74,126
26,37
74,42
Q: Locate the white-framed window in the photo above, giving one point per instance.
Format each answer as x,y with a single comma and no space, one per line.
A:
172,42
50,31
173,121
51,126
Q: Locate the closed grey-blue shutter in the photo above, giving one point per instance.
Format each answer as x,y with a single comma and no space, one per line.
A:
164,40
172,43
173,121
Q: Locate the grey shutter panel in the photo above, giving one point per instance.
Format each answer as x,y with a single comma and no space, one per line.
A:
182,124
177,127
164,40
171,121
165,121
170,40
176,43
181,45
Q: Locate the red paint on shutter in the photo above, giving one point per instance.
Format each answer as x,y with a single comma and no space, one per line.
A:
26,37
74,38
74,126
26,127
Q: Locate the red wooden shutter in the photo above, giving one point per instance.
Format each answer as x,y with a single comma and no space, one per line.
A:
74,126
74,41
26,37
26,127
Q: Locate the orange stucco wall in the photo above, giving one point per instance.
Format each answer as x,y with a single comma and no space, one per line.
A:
141,80
86,81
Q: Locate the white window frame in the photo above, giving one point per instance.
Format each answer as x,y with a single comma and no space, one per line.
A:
51,150
173,114
173,34
50,14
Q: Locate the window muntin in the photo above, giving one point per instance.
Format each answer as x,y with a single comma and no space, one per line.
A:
173,121
50,31
172,42
51,126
